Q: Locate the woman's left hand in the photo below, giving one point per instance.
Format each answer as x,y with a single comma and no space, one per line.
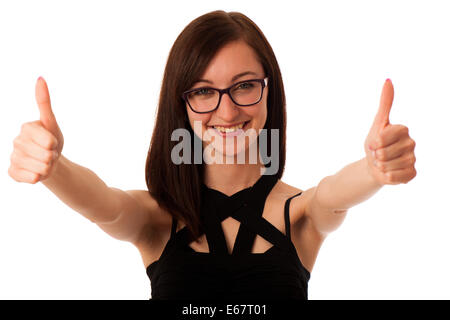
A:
389,148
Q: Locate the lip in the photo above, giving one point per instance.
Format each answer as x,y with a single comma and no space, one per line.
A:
231,134
229,125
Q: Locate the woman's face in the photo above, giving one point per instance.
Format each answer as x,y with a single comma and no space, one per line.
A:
231,60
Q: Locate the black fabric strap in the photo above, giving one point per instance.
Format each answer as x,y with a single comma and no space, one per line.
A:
286,215
213,230
246,206
252,207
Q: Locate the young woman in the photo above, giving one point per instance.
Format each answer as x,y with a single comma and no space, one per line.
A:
209,225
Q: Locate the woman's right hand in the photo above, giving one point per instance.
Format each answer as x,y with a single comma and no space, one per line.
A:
38,146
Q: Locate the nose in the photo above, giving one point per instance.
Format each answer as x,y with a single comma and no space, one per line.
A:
227,109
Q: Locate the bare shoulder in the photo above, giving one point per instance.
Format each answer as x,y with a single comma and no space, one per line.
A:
305,237
297,206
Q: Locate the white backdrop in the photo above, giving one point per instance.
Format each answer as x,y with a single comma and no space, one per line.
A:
103,62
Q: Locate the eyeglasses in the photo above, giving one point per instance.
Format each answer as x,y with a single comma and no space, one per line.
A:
243,93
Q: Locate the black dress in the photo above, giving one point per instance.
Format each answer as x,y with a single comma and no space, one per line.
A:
183,273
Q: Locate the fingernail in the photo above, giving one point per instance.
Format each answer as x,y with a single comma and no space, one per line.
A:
388,79
373,154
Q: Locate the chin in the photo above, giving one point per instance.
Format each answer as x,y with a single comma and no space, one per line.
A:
240,152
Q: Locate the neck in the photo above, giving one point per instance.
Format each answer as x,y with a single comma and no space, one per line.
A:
231,178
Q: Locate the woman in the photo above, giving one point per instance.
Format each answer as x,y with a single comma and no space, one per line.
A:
209,225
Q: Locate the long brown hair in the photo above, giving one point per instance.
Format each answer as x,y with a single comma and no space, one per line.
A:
177,187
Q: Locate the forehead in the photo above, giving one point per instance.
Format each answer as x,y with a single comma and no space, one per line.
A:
234,58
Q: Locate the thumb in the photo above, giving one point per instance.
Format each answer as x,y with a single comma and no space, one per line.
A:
45,109
387,96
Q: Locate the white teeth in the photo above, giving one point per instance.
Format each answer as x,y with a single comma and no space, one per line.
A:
231,129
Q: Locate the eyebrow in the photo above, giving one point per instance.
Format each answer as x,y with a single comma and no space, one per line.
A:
232,79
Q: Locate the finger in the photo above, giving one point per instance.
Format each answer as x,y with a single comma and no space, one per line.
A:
395,150
403,162
22,161
390,135
387,96
22,175
34,150
45,109
400,176
38,134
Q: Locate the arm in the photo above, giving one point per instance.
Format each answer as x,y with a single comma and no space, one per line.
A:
389,160
353,184
119,213
335,194
37,156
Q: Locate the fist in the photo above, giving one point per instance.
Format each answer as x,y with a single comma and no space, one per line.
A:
389,148
38,146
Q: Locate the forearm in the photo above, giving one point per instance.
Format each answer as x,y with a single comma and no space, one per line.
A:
83,191
350,186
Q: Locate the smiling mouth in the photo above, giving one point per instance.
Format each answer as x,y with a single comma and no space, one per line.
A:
224,131
230,129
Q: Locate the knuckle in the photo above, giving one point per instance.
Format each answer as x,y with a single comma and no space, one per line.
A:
13,157
378,141
35,178
11,173
45,171
16,142
410,176
29,126
16,178
381,140
49,142
412,143
24,127
48,156
381,154
19,143
16,145
404,129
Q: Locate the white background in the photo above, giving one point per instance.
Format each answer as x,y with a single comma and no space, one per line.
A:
104,61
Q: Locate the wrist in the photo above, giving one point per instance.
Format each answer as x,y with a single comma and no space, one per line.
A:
56,172
371,175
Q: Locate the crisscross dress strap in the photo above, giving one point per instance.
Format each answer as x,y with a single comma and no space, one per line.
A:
250,213
247,202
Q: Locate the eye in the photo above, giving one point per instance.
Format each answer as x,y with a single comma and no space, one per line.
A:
201,92
245,85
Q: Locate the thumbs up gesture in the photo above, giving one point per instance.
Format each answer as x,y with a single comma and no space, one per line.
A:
389,148
38,146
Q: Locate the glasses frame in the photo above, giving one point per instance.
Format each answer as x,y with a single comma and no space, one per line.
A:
227,91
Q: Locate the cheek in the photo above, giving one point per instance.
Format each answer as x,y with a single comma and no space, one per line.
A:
263,115
198,122
258,114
